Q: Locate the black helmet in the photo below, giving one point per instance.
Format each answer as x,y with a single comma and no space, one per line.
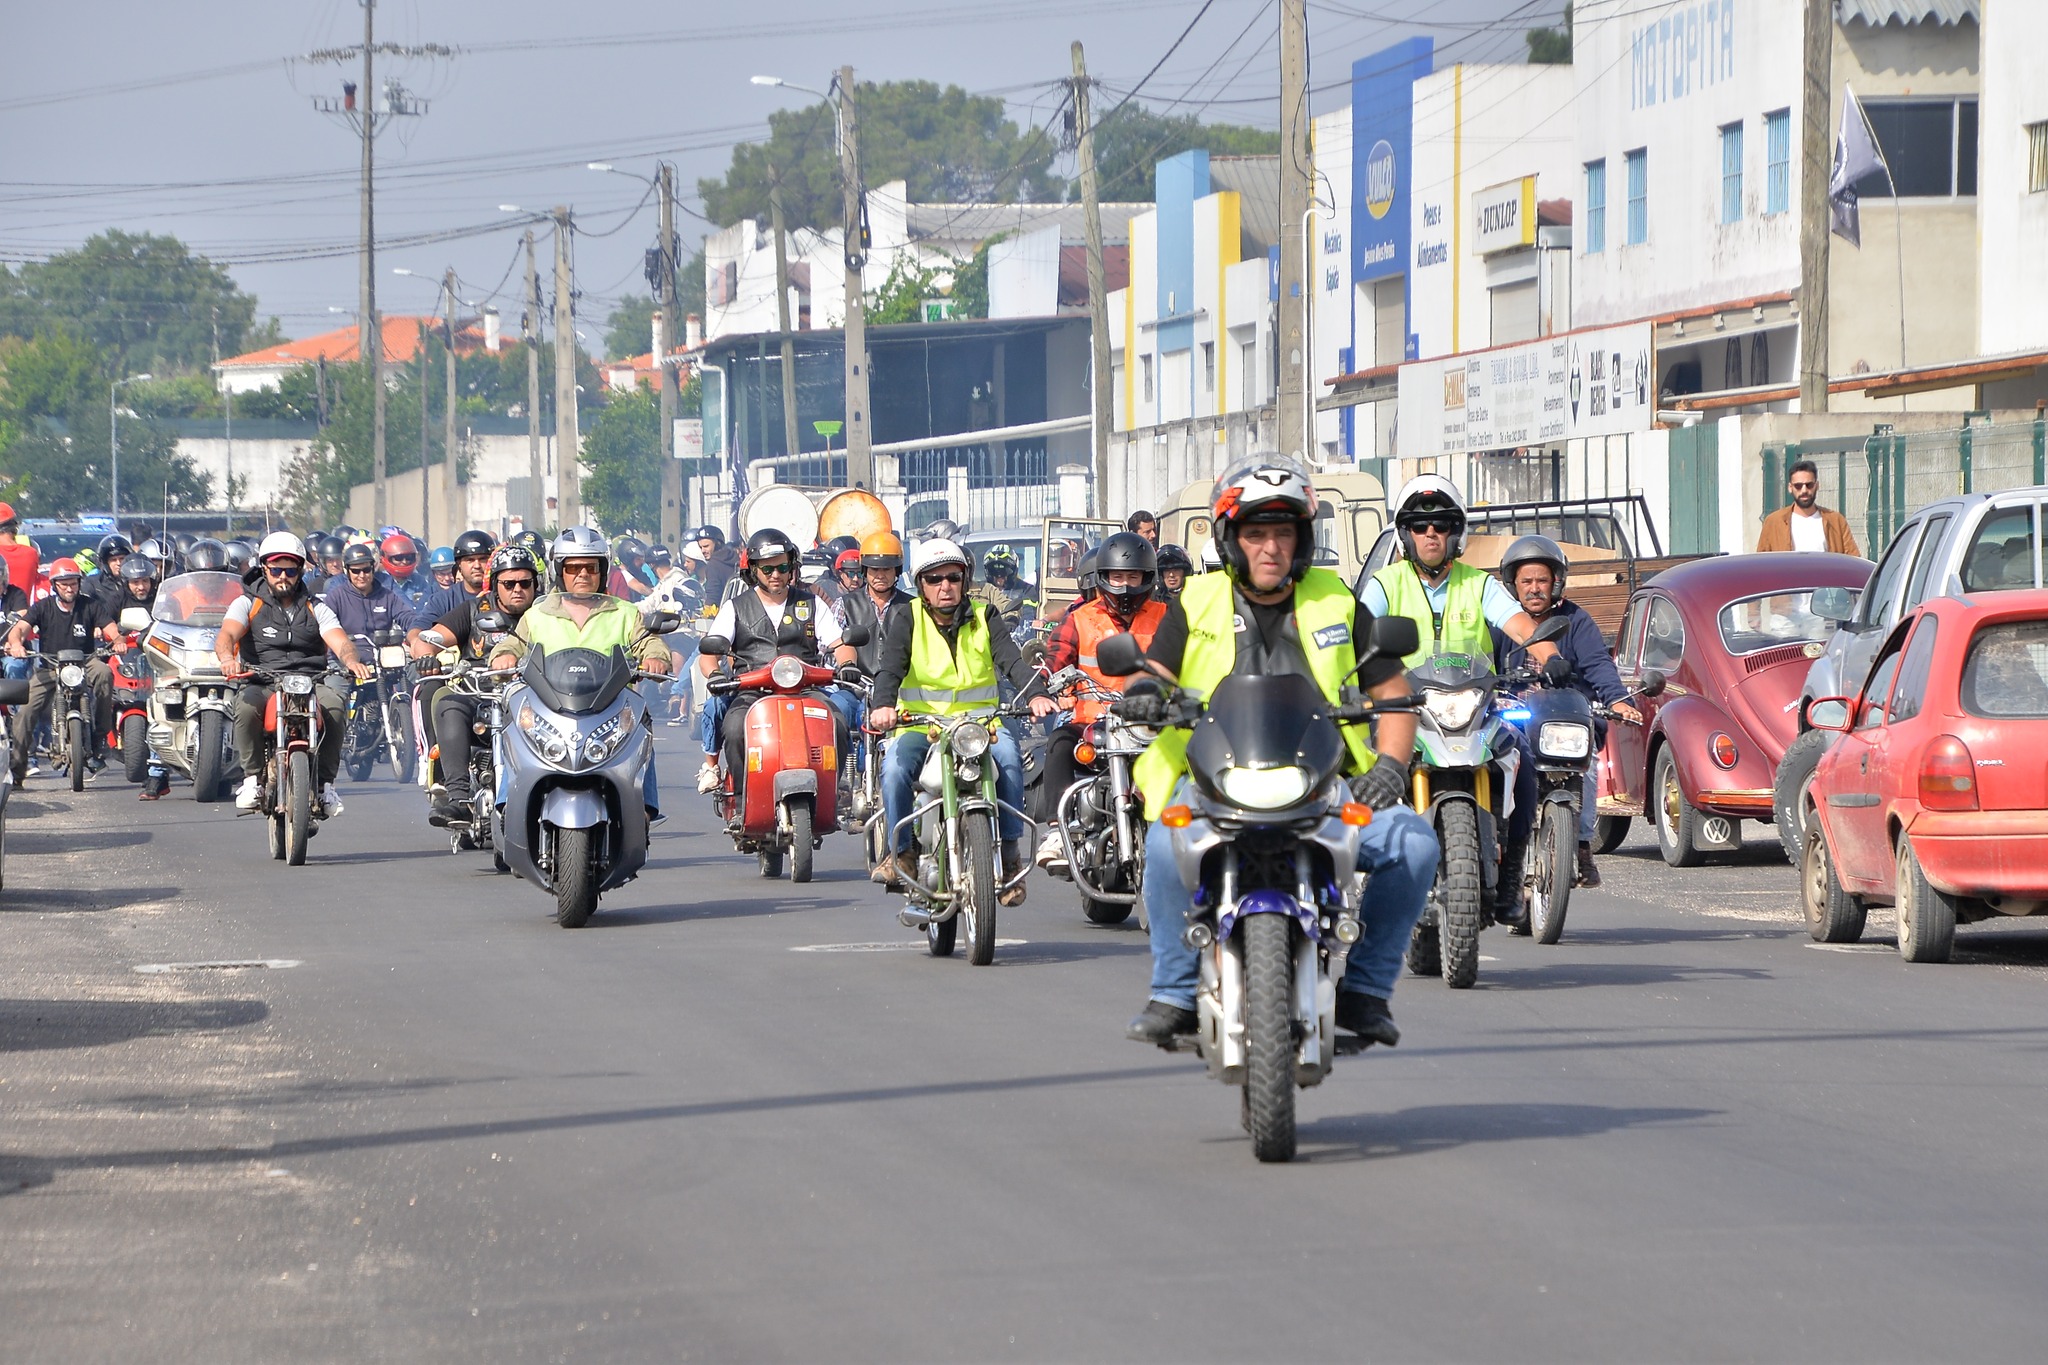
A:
183,542
766,544
708,532
470,544
112,545
241,554
356,555
945,528
1126,550
630,548
1000,559
326,547
136,567
1090,585
661,557
534,541
1174,557
1536,550
508,557
206,553
839,545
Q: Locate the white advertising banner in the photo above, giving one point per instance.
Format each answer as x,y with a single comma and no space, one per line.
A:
1592,383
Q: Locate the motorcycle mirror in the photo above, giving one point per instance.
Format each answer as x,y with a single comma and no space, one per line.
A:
391,635
1120,655
663,622
493,622
13,691
134,618
855,636
714,645
1390,637
1549,629
1652,684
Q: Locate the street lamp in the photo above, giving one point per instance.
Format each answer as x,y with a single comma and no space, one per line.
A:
114,441
838,119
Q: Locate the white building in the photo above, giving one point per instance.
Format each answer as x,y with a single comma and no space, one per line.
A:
2012,205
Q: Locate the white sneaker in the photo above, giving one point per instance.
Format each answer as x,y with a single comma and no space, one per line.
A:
707,779
248,793
331,799
1051,849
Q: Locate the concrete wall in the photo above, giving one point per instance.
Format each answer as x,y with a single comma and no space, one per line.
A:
2013,287
494,461
1148,466
1024,275
263,465
1332,350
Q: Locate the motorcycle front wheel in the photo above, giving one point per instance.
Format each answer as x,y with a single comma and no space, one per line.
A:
800,842
209,760
298,808
135,747
575,877
1550,888
405,758
979,887
1269,1037
81,746
1458,893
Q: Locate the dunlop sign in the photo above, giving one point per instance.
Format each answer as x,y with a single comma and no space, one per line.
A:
1504,216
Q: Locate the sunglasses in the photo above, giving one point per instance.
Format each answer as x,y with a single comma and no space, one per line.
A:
775,568
284,570
1804,487
579,569
515,584
938,578
1442,526
364,569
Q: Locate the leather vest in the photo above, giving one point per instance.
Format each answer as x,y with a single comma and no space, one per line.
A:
754,629
285,639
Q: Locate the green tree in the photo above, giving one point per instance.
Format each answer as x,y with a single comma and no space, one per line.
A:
144,301
621,461
1130,144
1550,46
948,145
47,376
901,297
630,328
66,474
970,282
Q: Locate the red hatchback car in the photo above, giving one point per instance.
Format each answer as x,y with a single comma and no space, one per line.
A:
1935,798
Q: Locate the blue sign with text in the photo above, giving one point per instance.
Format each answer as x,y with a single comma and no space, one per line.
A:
1382,125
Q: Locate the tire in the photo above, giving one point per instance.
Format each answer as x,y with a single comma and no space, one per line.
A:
1425,949
207,762
80,742
1608,832
298,813
1459,894
359,766
1104,912
575,877
1927,917
979,883
135,748
1832,914
877,842
771,862
405,757
1269,1036
1677,823
1555,850
3,847
1788,790
498,863
273,826
939,939
801,820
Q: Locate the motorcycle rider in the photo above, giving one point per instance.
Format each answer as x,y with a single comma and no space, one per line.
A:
751,622
579,614
1127,568
1535,568
942,655
721,561
472,560
1270,612
675,590
24,561
105,583
1456,609
399,556
1001,587
66,619
363,601
511,583
441,564
139,579
13,602
881,566
288,631
1174,569
630,578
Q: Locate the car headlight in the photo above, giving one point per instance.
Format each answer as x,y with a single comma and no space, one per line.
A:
1453,710
1264,788
71,675
1564,739
787,671
969,741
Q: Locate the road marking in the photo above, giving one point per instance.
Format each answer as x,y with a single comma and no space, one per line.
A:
224,965
1853,947
918,944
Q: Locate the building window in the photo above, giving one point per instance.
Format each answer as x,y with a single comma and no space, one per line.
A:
1638,196
1596,207
1731,173
1778,175
1145,374
1930,145
2037,157
1208,367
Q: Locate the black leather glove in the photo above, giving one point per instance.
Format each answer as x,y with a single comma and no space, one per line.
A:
1142,704
1382,785
1557,670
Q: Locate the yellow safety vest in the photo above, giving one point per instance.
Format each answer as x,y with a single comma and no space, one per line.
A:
613,623
1323,610
949,678
1462,628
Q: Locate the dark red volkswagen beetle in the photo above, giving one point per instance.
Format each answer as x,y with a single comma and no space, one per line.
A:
1732,636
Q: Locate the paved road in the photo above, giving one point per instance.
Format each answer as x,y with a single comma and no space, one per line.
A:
708,1128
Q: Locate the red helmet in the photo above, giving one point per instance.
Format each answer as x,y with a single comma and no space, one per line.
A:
65,568
400,555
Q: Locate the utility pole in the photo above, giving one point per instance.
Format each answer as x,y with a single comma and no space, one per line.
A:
570,499
529,329
666,343
426,411
1100,390
1814,166
1292,402
792,439
448,480
860,458
369,335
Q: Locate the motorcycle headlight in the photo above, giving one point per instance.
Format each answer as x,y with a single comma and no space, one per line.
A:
390,657
553,747
1453,710
71,675
787,671
295,685
607,739
969,741
1264,788
1564,739
546,740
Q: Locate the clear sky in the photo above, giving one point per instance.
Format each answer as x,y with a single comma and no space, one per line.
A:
199,120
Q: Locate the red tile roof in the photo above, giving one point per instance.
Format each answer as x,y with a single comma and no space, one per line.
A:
401,344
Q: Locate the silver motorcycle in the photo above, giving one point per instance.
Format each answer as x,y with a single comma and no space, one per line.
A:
191,707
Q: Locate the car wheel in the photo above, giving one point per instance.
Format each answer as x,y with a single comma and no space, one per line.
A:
1927,917
1788,790
1832,914
1676,821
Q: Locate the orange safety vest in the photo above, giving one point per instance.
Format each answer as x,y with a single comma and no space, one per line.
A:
1092,625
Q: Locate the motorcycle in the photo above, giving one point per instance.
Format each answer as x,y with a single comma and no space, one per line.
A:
133,680
956,861
289,799
1266,835
486,688
13,692
1101,818
72,721
792,757
380,715
572,772
191,706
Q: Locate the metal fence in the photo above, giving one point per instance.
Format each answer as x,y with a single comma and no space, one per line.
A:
1879,480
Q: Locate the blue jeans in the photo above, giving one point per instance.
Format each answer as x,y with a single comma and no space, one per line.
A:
711,722
1589,806
1398,848
905,756
16,668
848,705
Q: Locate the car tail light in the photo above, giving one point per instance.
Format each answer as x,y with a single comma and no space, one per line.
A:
1724,750
1948,776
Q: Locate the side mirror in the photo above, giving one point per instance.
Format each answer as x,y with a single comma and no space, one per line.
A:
714,645
1120,655
134,619
1391,637
390,635
13,691
1549,629
493,623
856,636
1831,713
1833,604
663,622
1652,684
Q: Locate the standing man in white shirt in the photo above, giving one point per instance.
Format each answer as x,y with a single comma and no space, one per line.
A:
1804,524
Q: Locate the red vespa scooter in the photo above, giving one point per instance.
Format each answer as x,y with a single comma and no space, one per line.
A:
133,679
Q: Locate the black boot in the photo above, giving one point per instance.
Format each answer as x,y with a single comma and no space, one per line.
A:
1160,1023
1368,1016
451,806
1589,871
1507,892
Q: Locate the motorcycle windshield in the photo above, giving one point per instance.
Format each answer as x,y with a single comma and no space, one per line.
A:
196,599
1453,671
1270,721
577,682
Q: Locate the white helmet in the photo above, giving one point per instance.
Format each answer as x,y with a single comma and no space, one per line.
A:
926,555
1212,559
280,543
1427,494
